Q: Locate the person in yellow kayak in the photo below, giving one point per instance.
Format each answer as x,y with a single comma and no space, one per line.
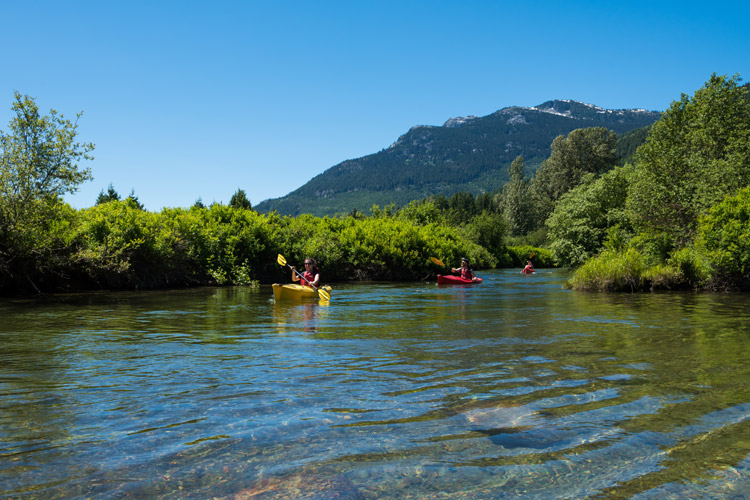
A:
311,276
465,271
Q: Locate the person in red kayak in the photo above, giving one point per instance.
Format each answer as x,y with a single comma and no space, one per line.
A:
529,269
465,271
311,276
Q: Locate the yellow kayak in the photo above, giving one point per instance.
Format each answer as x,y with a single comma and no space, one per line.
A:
296,292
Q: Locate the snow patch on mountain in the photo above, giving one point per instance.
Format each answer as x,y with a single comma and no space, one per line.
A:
459,121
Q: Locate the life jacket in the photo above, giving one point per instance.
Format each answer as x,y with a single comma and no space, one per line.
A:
466,273
307,278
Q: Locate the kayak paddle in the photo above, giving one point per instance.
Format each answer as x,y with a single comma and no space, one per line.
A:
321,293
437,261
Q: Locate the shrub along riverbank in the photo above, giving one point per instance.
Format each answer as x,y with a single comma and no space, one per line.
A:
118,245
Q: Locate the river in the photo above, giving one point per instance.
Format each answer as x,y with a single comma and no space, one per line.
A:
515,388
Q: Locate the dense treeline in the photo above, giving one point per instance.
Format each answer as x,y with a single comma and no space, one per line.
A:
117,244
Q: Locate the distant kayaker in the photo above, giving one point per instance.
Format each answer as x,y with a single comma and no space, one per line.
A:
465,271
311,276
529,269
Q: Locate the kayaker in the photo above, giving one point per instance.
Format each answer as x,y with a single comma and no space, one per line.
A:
465,271
529,269
311,274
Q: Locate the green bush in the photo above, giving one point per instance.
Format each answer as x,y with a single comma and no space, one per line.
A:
724,236
611,271
655,247
692,267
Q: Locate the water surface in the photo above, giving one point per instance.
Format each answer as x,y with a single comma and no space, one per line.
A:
515,388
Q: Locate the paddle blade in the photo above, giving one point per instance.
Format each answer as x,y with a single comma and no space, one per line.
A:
531,255
324,295
281,260
437,261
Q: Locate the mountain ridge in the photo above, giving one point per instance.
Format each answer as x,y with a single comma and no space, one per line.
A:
466,153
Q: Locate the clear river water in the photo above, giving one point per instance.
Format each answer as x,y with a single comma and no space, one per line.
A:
515,388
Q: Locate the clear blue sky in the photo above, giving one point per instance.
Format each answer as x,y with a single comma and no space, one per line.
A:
188,100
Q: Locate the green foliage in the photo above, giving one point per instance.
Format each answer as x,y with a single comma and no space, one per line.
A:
378,248
581,222
118,245
655,247
693,269
133,200
39,158
695,155
488,230
685,268
724,236
628,269
541,257
517,204
110,195
422,212
239,200
629,142
582,152
611,271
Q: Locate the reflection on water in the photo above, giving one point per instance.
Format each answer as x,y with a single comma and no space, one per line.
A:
514,388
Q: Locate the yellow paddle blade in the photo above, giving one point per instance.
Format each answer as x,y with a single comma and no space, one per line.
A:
437,261
281,260
324,295
531,255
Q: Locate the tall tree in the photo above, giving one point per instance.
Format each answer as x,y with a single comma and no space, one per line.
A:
694,156
584,216
583,151
516,201
106,197
239,200
39,158
462,206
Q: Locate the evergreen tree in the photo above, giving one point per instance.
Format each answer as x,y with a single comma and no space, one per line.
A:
133,200
110,195
517,205
462,206
239,200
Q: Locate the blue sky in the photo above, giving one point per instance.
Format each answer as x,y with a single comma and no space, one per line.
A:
188,100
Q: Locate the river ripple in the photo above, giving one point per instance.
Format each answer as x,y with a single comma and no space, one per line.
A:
515,388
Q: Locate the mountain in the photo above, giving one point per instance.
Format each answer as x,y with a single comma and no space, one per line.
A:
464,154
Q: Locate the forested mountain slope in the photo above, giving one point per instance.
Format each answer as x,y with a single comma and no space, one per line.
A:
464,154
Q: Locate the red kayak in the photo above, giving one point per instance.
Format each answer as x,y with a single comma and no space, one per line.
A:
456,280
